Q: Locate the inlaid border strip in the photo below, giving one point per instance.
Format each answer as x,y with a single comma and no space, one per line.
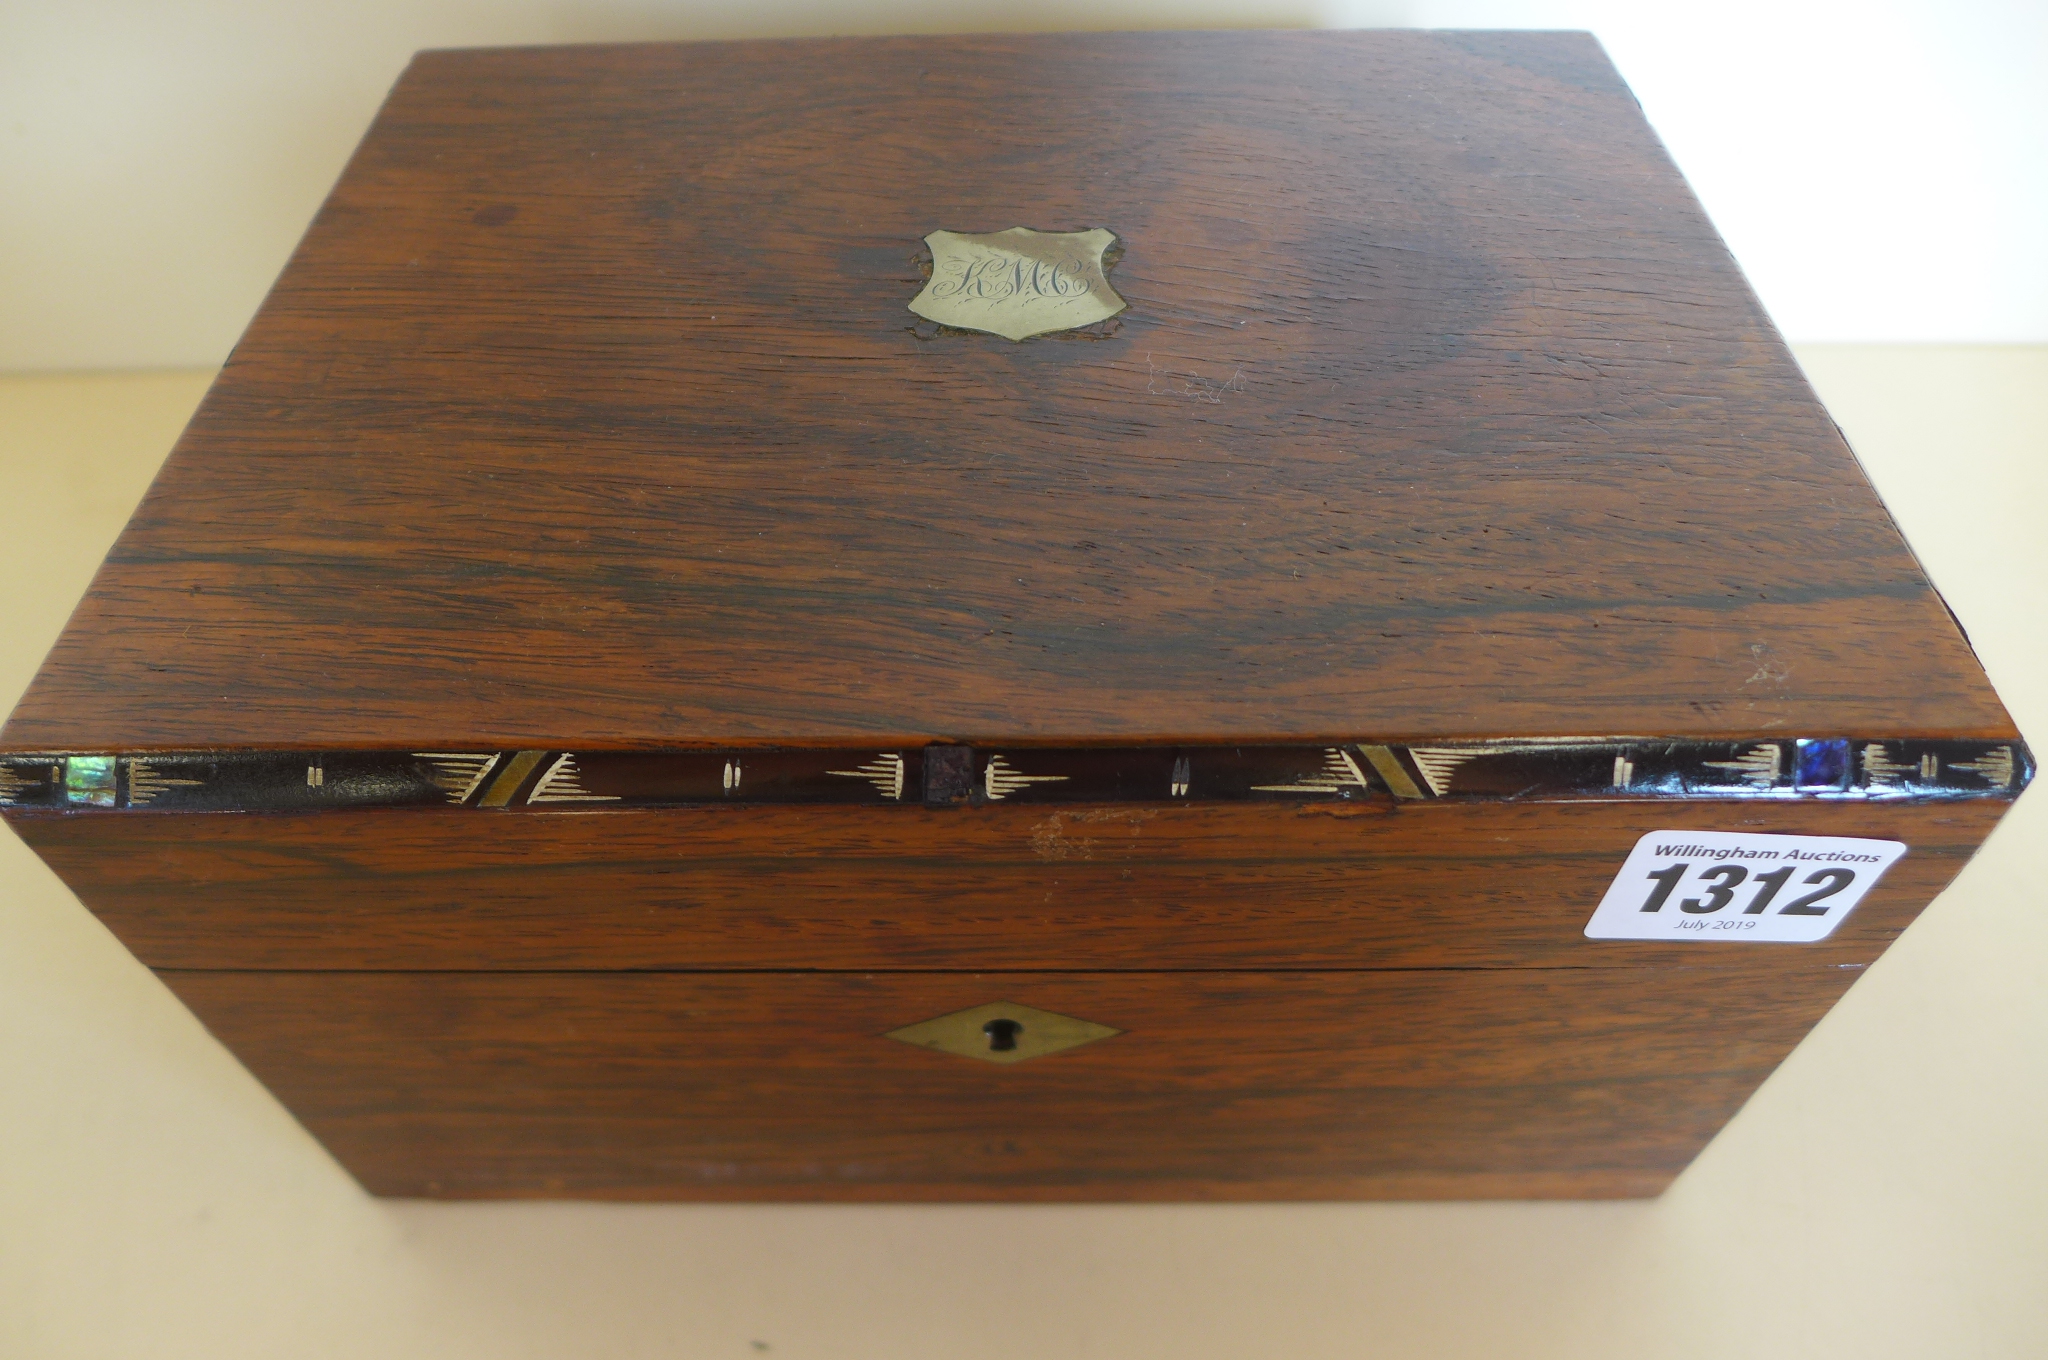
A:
958,775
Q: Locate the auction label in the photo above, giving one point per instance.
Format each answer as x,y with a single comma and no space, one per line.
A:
1728,885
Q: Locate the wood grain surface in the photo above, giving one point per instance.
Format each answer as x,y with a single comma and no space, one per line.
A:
589,415
1251,886
1421,1084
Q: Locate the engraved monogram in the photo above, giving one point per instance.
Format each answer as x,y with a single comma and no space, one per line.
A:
995,276
1018,283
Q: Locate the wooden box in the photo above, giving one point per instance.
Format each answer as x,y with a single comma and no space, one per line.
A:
684,658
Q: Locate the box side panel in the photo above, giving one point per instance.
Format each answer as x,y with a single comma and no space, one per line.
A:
1219,1086
1247,886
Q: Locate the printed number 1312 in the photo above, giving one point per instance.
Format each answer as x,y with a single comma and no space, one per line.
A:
1719,884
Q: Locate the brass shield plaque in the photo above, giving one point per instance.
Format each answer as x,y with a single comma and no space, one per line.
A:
1018,283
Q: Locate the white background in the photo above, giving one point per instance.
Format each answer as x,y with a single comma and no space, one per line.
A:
1880,168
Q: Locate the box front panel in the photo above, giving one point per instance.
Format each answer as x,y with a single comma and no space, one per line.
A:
1542,1082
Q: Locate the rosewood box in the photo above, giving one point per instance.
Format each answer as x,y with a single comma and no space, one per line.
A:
1252,615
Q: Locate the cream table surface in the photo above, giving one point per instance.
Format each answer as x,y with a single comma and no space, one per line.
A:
1884,1195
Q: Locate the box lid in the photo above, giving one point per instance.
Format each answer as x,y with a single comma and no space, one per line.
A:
591,413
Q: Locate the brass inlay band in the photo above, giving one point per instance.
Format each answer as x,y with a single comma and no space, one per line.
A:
510,778
953,775
1383,760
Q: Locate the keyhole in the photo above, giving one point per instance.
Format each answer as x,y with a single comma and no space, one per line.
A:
1002,1035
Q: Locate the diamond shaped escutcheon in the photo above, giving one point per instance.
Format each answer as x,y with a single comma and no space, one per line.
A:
1002,1032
